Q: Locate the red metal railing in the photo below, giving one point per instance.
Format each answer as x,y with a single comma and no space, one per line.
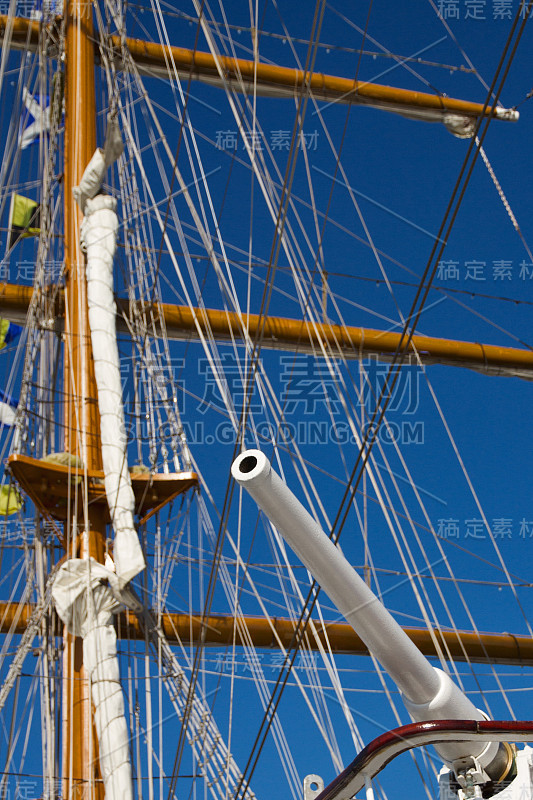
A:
382,750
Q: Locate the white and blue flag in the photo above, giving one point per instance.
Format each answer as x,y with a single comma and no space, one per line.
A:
35,120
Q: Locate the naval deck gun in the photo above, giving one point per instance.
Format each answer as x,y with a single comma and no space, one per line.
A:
478,768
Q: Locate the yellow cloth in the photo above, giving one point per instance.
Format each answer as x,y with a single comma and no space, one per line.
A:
10,500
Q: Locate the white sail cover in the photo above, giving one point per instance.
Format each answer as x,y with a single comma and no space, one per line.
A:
99,231
91,182
86,593
93,176
86,603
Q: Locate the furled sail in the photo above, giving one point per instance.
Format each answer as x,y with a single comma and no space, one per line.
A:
99,237
86,603
99,230
86,593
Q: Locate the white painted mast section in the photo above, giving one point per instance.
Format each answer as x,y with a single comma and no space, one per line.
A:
428,692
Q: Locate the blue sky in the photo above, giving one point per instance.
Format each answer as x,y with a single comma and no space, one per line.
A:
407,170
402,173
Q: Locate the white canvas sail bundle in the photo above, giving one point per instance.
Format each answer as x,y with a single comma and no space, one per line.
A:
86,603
99,239
86,593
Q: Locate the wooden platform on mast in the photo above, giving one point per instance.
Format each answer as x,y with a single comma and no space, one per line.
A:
55,487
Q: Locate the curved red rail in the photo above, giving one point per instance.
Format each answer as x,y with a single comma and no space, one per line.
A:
379,752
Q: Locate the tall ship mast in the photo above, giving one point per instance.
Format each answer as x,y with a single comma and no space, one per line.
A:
232,228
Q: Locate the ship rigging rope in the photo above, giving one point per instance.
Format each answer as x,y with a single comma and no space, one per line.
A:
510,583
202,560
463,52
476,502
399,60
503,198
278,237
426,281
284,37
362,220
446,291
415,533
213,362
304,303
416,310
140,165
415,529
41,609
253,160
164,224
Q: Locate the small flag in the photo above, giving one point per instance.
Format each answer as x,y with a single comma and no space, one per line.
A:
7,415
24,219
8,407
6,398
36,119
10,500
8,333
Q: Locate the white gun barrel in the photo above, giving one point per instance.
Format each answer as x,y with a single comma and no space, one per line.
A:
428,692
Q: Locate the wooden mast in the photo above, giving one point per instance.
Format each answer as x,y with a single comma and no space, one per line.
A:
86,537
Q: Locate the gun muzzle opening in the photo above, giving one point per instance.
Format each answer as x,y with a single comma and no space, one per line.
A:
247,464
